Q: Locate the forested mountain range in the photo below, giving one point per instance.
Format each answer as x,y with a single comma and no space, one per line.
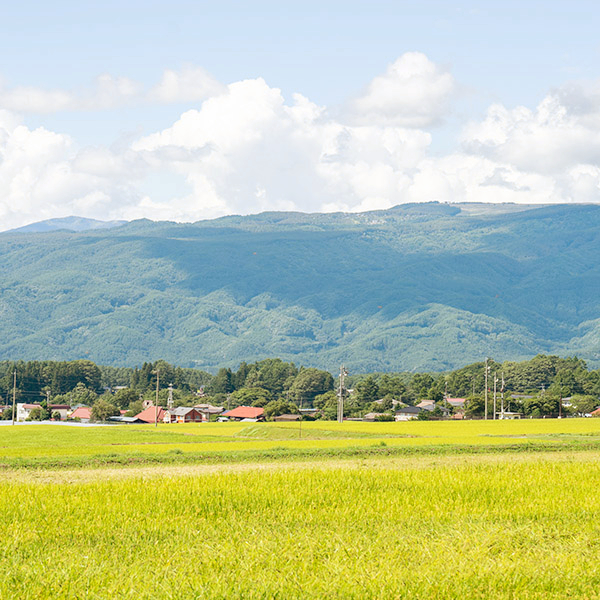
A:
416,287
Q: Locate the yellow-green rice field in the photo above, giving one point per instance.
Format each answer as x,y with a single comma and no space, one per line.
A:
442,510
41,444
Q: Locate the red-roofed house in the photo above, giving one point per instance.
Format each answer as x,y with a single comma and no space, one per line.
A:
456,402
246,412
148,415
83,413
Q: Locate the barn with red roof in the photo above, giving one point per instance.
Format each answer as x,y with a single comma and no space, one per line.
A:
246,412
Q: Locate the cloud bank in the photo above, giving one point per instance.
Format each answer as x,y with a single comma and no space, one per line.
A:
244,148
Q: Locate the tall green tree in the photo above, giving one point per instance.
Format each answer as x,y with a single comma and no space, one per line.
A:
309,383
367,390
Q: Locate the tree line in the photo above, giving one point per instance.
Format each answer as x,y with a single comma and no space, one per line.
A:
534,387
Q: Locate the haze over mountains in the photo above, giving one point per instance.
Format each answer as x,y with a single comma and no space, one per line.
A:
422,286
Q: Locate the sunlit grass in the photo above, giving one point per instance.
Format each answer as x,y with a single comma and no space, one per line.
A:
445,529
45,442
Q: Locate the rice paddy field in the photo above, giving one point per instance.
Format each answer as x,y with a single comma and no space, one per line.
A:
359,510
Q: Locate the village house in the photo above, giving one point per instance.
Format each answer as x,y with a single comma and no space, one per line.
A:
62,409
82,413
426,405
287,418
456,403
408,413
24,410
371,417
208,409
150,414
243,413
184,414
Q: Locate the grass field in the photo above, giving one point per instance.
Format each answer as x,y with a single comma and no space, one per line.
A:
58,445
504,523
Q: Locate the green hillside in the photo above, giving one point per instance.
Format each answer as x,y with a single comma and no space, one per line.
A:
429,286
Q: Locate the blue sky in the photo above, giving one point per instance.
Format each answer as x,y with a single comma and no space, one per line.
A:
160,60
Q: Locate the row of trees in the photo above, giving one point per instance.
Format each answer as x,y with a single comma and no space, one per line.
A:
282,387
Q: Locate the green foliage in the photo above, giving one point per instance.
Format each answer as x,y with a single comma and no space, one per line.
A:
222,382
367,390
457,286
327,405
273,375
251,397
421,384
135,408
475,406
542,405
280,407
392,386
582,404
384,417
38,414
386,405
124,398
103,409
308,384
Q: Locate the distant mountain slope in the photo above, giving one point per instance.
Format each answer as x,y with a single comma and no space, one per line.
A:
76,224
428,286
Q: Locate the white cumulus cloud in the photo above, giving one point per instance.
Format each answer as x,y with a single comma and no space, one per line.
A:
413,92
245,148
189,84
255,152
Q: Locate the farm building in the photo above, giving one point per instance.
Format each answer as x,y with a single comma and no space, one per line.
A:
83,413
61,409
407,413
456,402
245,412
208,409
287,418
184,414
149,415
426,405
24,410
372,416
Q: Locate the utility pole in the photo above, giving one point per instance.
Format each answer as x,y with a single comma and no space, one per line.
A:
560,406
495,383
300,421
170,400
502,396
14,394
340,412
486,388
156,403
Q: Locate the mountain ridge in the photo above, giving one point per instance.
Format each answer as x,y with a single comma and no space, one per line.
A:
424,287
72,223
